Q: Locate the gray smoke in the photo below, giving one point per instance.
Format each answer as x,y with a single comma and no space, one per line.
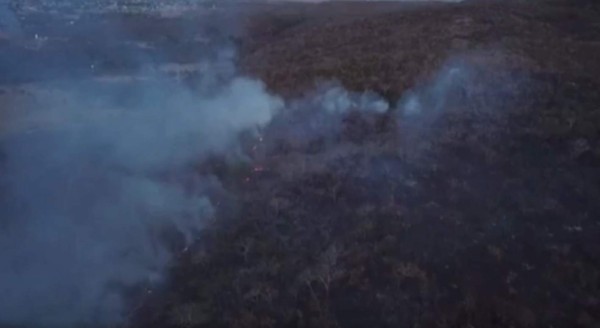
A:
447,88
99,171
319,116
9,22
87,196
337,100
463,85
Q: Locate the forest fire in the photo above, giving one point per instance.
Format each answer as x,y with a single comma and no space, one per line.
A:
265,164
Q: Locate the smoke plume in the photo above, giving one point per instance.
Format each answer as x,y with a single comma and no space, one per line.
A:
100,174
87,194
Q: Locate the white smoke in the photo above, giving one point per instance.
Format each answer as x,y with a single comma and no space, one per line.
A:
88,196
318,117
453,80
88,199
466,85
337,100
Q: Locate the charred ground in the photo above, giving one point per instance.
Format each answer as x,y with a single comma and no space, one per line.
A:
482,218
487,219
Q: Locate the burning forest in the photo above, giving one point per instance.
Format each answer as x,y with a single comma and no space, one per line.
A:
299,164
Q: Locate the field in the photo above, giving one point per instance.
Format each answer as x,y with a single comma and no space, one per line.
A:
480,211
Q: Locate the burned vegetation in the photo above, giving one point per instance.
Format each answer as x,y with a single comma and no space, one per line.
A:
483,213
472,218
432,165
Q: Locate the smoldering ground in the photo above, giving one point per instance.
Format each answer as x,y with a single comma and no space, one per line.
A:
95,172
87,193
86,200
